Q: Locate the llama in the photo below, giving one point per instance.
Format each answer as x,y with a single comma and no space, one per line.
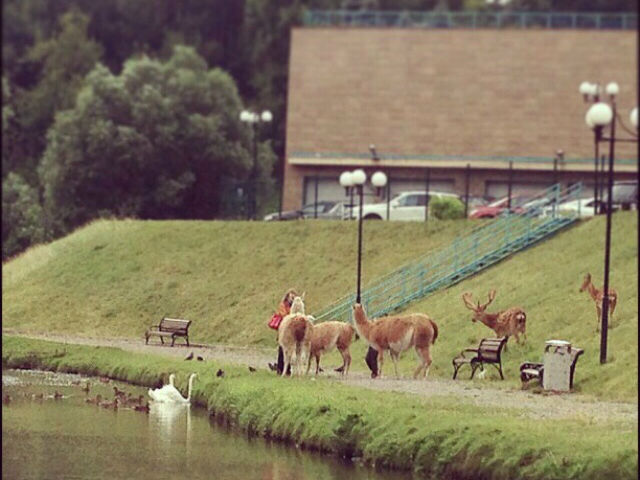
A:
597,294
397,334
294,335
327,336
505,323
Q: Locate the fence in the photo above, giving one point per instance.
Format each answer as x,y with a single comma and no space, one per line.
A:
504,19
467,255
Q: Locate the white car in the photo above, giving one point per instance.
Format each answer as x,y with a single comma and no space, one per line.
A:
404,206
586,207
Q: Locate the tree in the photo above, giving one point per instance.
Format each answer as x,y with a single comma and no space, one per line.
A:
156,141
21,216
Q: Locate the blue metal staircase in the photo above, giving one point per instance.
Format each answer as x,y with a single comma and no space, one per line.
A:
484,246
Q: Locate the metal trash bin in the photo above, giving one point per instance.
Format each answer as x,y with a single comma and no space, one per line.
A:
558,360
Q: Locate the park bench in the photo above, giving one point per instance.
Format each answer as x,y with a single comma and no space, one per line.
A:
488,352
169,327
535,371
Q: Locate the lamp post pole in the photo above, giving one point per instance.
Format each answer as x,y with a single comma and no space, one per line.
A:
356,180
253,118
599,115
359,187
607,246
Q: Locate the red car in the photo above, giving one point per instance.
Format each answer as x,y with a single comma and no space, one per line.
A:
496,208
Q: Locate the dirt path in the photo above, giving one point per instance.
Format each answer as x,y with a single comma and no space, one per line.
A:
523,403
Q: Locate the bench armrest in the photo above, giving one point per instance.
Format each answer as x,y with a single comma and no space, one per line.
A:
157,327
475,350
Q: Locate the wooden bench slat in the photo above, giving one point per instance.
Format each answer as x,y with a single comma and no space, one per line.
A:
170,327
489,351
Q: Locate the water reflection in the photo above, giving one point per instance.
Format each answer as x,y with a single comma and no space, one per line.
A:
170,425
68,438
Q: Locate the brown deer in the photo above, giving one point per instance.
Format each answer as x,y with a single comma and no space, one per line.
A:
328,335
294,335
597,294
397,334
505,323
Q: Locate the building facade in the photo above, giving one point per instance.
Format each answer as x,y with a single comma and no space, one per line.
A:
467,104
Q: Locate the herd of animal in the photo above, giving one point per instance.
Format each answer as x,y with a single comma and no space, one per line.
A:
301,339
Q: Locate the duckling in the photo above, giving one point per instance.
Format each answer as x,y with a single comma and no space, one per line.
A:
6,399
37,396
86,388
220,373
118,393
94,401
113,404
200,359
57,395
142,408
134,401
251,369
189,357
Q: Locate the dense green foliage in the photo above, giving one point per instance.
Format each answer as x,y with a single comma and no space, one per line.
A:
115,278
156,141
446,208
441,437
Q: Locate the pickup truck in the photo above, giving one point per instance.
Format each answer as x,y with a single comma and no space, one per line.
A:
404,206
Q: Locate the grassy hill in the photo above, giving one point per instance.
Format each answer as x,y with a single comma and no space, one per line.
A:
114,278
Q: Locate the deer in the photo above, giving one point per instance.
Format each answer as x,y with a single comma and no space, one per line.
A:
329,335
597,294
294,335
398,334
506,323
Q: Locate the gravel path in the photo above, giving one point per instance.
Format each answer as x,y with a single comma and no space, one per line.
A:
523,403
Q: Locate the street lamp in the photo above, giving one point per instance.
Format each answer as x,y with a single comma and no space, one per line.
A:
355,180
253,118
600,115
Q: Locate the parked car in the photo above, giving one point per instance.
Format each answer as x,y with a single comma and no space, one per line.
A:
325,209
624,196
496,208
584,206
405,206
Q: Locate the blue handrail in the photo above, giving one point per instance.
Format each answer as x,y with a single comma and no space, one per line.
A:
471,19
468,254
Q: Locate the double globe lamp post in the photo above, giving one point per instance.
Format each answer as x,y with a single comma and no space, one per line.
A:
600,115
254,119
355,180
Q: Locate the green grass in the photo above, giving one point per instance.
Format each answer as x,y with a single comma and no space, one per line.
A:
115,278
435,438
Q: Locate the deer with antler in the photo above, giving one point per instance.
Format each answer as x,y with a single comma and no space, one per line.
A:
597,294
506,323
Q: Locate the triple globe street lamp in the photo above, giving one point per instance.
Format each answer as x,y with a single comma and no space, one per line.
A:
355,180
253,119
600,115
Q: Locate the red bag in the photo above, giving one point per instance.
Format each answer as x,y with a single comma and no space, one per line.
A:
275,321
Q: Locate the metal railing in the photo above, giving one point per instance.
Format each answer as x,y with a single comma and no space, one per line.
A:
465,158
468,254
470,19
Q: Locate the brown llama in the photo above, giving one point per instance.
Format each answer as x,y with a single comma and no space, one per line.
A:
506,323
329,335
397,334
294,335
597,294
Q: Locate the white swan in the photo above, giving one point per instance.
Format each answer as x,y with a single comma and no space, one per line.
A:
170,394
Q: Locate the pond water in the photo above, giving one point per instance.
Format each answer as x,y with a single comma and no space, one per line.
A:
44,437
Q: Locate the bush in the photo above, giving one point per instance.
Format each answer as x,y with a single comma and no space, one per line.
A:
447,208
